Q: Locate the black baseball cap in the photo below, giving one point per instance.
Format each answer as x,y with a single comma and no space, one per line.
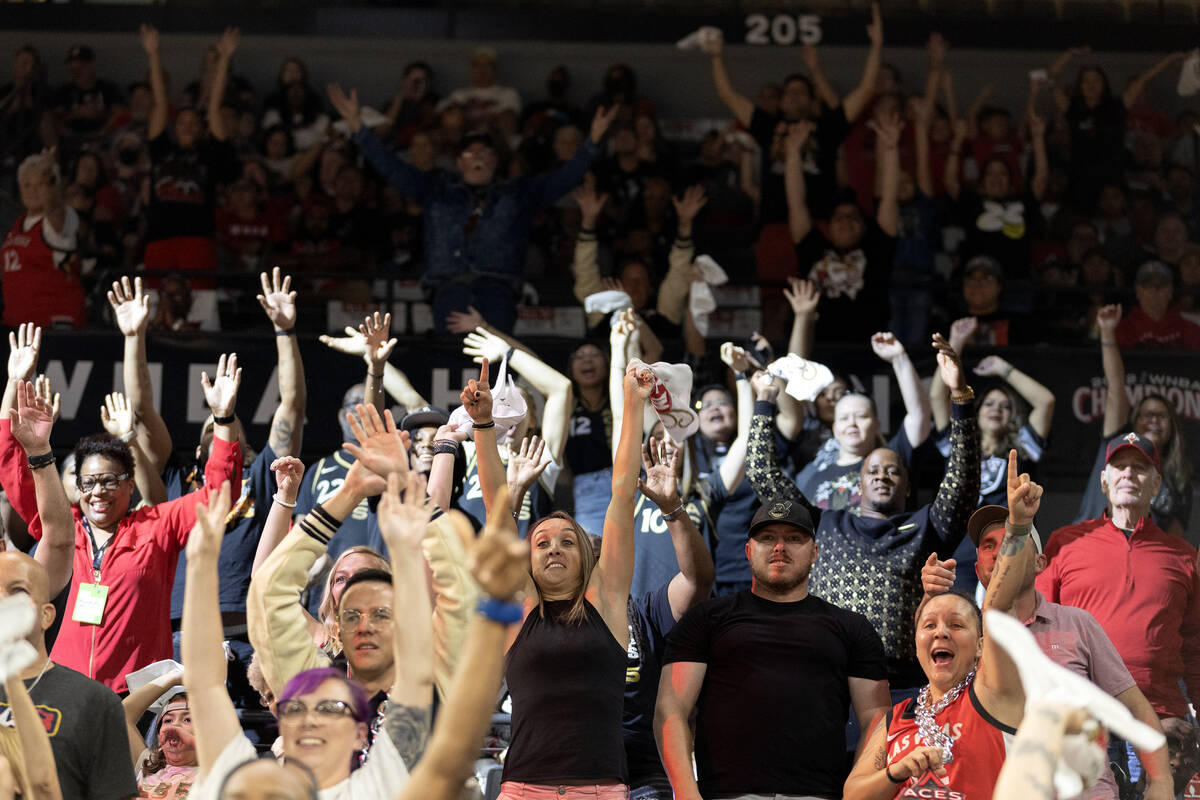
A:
1140,443
785,512
426,417
986,516
80,52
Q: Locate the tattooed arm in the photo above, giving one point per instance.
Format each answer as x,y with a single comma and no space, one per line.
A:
279,302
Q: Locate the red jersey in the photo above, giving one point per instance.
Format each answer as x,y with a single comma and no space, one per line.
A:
138,567
41,275
980,744
1172,332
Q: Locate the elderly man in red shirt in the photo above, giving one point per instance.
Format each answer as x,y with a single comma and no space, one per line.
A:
1140,583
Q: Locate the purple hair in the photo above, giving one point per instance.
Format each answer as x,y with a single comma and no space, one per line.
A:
307,681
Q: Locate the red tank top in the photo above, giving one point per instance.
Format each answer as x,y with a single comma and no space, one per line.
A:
980,743
36,288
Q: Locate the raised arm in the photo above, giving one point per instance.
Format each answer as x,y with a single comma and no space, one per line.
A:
673,292
887,144
733,469
916,400
958,492
476,398
499,562
525,466
279,303
1116,405
824,89
693,583
740,105
804,297
446,444
961,331
214,720
1041,163
402,521
1040,399
762,466
138,702
395,382
131,309
226,45
1138,85
1055,73
799,217
609,586
411,181
377,347
158,84
985,93
861,97
546,188
289,472
31,422
923,119
585,266
117,417
623,342
952,176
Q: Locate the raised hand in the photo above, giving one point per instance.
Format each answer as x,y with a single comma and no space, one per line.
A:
763,352
362,482
464,321
937,576
448,431
590,203
228,42
1024,496
209,530
41,388
1107,318
936,49
875,28
735,357
346,105
961,331
601,121
887,346
148,35
377,345
949,365
887,130
689,205
638,382
960,130
289,472
476,396
713,44
525,465
117,415
380,447
661,484
480,344
993,365
765,386
498,560
31,421
810,56
403,517
798,133
613,285
131,307
278,299
24,344
352,344
1037,126
221,393
803,296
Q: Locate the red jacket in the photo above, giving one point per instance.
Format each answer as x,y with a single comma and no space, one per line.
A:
1144,591
1138,331
138,568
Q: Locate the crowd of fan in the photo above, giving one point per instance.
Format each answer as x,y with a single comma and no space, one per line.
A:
1004,216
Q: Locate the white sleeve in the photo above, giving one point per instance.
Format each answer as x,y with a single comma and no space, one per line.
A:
66,238
237,752
383,775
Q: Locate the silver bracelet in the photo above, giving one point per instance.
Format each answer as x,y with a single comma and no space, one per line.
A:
674,515
283,502
127,437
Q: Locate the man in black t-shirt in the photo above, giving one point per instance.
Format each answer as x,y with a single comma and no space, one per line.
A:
803,98
83,718
85,104
848,257
772,672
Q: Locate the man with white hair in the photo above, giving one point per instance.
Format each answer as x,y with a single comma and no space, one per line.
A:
1140,583
39,255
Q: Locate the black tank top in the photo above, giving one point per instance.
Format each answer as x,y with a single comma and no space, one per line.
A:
567,684
589,438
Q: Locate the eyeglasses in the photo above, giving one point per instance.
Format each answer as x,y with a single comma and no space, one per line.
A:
378,617
294,710
1161,416
719,403
107,481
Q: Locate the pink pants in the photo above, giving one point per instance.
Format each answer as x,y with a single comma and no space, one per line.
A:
511,790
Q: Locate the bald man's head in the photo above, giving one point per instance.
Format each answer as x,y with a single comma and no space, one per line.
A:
21,574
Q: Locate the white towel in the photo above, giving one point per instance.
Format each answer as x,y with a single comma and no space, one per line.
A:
671,398
17,616
508,406
606,301
1189,75
370,117
701,301
698,38
805,379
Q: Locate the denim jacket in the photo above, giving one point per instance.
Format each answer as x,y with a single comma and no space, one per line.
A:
496,245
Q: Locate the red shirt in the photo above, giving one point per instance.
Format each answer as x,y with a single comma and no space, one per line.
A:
1172,332
980,744
138,568
41,282
1143,590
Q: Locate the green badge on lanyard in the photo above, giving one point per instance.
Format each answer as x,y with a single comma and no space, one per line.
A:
89,603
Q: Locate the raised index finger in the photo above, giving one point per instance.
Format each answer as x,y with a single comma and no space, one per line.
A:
1014,479
483,373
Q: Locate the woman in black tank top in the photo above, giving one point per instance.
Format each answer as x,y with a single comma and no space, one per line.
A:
566,666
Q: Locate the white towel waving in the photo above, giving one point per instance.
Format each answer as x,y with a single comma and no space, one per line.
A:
805,379
606,301
508,406
699,38
701,301
671,398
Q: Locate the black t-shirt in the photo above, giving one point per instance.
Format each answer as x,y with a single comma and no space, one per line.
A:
854,284
1001,229
1170,504
831,486
772,713
183,186
650,620
537,503
589,438
1097,138
103,94
86,726
820,161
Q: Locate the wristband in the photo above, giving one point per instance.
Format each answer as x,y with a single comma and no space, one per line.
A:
288,332
44,460
741,376
127,436
674,515
445,447
378,377
500,611
967,396
1008,372
887,771
282,502
224,420
482,426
